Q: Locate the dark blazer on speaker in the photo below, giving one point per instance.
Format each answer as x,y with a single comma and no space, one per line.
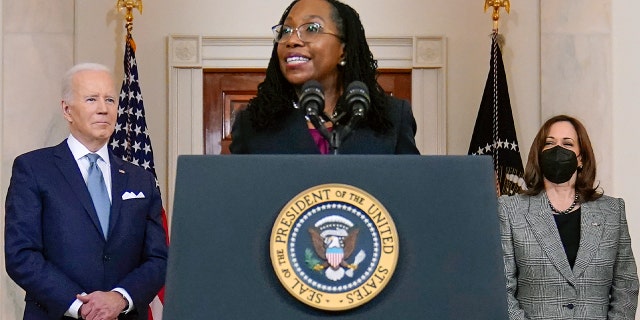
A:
54,247
603,283
293,137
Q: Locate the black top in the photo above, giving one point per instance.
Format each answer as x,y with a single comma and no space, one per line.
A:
569,230
293,137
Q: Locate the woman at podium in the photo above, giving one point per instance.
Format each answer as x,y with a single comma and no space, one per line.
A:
320,94
567,250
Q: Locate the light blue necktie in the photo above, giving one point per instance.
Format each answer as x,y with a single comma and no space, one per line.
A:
99,193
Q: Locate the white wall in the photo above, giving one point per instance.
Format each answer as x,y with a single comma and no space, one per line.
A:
626,114
576,75
37,48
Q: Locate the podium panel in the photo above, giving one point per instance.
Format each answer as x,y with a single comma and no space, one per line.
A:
444,209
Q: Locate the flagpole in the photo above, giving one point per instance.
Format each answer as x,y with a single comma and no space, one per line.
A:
496,5
130,140
494,133
129,5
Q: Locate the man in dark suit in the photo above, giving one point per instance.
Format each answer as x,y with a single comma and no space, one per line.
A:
74,259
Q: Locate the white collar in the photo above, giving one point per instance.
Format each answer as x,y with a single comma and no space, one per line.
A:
79,150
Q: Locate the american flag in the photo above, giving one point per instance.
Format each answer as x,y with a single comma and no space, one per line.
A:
495,133
130,140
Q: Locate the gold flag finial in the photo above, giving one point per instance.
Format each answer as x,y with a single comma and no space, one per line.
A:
496,5
129,5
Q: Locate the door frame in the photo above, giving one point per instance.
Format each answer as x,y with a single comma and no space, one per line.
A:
189,54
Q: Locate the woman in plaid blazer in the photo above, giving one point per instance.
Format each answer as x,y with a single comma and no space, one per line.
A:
567,250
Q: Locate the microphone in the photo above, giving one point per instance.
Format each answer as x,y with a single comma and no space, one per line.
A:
357,97
312,100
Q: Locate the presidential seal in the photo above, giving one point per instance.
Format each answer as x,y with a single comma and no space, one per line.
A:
334,247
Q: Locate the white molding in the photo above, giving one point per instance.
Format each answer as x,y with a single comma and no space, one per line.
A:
189,54
429,52
184,51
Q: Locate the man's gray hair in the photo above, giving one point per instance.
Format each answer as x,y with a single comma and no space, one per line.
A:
67,89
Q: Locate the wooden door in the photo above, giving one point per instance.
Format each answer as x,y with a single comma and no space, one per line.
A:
225,92
396,82
228,90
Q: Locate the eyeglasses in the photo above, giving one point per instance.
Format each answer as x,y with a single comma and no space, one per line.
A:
307,32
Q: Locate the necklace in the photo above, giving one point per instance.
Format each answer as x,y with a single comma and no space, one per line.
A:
323,116
573,205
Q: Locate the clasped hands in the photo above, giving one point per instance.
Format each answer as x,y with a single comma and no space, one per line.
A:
101,305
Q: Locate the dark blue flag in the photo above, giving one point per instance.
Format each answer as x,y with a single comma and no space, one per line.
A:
494,133
130,140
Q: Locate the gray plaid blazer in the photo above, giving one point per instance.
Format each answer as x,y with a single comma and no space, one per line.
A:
540,283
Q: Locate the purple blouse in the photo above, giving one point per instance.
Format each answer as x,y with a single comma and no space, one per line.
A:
321,142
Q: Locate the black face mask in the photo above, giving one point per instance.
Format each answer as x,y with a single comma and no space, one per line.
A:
558,164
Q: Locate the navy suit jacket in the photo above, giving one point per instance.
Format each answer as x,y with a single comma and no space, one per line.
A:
54,248
293,137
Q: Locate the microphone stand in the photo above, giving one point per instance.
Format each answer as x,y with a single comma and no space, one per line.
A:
336,136
331,137
334,143
357,98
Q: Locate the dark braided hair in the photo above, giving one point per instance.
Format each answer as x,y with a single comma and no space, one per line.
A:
276,94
